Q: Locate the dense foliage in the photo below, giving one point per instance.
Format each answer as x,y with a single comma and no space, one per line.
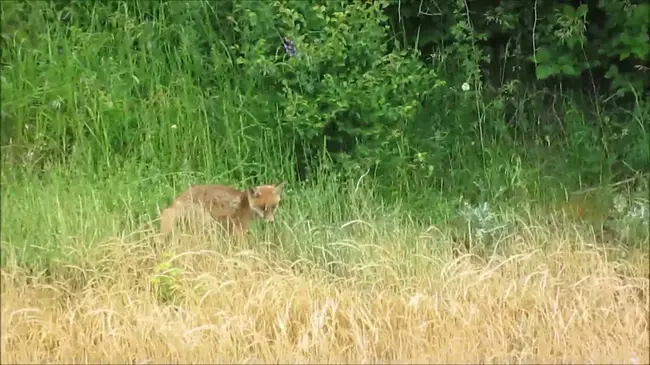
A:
481,99
345,82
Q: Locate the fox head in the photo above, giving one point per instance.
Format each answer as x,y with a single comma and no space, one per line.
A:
264,200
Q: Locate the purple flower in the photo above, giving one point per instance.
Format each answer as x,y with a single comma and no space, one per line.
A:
289,47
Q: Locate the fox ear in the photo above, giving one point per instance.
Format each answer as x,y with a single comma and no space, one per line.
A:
254,192
279,187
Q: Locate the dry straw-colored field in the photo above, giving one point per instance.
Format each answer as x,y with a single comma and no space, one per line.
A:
569,302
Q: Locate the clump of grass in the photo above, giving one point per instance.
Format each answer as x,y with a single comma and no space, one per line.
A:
568,302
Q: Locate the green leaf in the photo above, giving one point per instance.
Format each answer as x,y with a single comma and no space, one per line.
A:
642,47
612,72
582,10
543,55
544,71
568,10
569,69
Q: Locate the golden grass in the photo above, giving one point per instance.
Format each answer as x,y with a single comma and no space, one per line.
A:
571,302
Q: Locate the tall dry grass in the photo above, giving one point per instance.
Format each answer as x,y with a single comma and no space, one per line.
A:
574,301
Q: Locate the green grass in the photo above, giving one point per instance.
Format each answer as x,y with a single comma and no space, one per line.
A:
62,215
105,121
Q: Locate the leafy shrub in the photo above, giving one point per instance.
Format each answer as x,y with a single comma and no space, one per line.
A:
340,88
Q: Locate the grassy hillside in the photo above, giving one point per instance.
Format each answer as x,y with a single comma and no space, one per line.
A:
442,236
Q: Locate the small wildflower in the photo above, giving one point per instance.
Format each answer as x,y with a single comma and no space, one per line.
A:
303,342
282,323
481,218
57,104
415,300
620,204
465,86
289,47
174,126
638,211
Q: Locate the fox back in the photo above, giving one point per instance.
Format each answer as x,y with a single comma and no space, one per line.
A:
225,204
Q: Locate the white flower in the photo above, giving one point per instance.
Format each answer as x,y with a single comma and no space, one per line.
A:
465,86
415,300
174,126
57,104
620,203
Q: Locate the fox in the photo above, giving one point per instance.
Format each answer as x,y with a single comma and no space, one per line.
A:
234,209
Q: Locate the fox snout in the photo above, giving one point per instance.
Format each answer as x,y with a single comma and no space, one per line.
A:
268,216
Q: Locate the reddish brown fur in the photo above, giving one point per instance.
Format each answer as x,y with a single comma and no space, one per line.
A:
231,207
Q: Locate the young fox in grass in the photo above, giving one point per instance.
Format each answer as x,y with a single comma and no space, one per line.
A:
231,207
